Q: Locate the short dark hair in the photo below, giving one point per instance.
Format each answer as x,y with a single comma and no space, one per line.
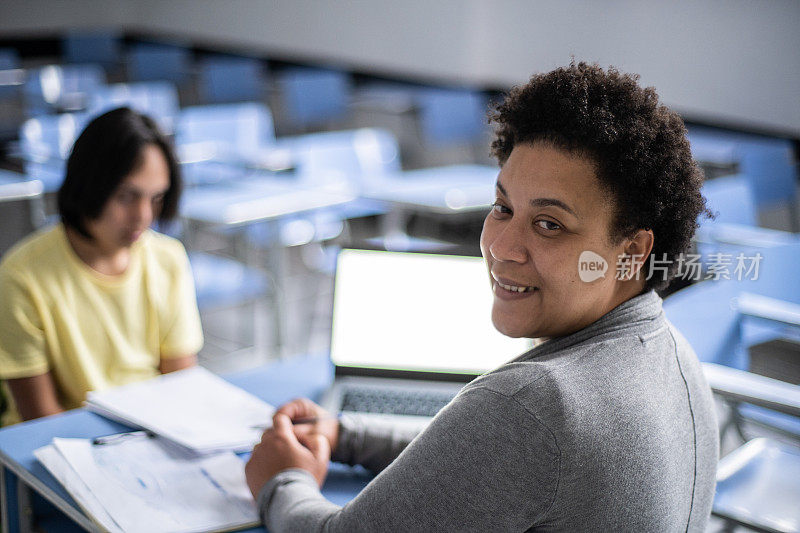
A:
639,148
105,153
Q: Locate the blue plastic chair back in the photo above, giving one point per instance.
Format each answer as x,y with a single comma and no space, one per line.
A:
348,158
46,142
158,62
771,172
731,198
238,131
313,96
231,79
705,314
54,87
449,117
100,47
156,99
9,59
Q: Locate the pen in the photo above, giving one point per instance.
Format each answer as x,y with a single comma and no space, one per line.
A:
111,439
308,420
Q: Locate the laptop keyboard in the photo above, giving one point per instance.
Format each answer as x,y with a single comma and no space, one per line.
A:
396,402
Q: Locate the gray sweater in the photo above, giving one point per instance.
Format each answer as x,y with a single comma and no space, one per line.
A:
611,428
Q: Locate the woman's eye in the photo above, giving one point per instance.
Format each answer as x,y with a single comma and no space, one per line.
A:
125,197
548,225
500,209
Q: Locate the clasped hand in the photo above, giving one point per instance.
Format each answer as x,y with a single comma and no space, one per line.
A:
285,445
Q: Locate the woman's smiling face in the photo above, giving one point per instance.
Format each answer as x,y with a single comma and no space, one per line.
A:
550,208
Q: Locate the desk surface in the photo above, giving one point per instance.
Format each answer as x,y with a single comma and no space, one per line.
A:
447,189
255,201
275,383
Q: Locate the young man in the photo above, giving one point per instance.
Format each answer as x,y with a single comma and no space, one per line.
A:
100,299
606,425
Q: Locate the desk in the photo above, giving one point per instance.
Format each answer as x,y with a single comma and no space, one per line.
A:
444,190
21,473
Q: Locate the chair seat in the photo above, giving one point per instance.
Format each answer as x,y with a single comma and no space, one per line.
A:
758,486
223,282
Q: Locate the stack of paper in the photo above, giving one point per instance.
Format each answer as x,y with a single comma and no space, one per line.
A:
136,483
191,407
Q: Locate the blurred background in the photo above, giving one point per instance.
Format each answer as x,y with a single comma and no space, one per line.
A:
304,126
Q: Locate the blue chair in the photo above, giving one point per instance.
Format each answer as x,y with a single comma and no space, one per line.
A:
452,116
722,319
771,171
758,484
158,99
235,132
55,88
9,58
158,62
219,143
45,144
339,161
221,282
226,79
735,228
101,47
312,97
9,77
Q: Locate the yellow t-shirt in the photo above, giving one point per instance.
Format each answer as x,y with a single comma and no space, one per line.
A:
89,330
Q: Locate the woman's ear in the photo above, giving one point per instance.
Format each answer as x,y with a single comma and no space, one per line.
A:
636,250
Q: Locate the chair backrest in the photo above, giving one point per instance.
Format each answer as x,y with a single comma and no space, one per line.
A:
55,87
231,79
9,60
45,144
731,198
771,171
236,131
313,96
158,62
452,116
50,137
704,313
82,46
351,157
21,210
158,99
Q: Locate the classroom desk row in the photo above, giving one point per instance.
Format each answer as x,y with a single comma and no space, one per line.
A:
22,476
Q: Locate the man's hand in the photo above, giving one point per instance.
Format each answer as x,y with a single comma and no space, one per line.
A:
281,449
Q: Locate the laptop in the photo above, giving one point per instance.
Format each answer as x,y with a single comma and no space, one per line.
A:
409,331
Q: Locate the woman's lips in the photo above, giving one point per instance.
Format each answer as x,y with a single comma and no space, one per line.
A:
511,290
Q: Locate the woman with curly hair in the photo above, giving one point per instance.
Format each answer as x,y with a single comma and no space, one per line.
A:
607,424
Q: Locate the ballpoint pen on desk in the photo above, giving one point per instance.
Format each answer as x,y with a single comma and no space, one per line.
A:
307,420
117,437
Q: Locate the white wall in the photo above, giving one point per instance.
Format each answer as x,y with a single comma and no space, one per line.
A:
728,61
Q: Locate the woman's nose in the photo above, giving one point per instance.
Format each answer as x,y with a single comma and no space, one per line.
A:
509,244
144,211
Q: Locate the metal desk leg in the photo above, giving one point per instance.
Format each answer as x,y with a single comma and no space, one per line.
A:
15,509
24,510
5,521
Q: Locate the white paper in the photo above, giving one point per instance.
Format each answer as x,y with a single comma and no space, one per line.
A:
191,407
148,485
85,498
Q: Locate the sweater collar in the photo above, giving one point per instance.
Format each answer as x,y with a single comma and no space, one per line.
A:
642,312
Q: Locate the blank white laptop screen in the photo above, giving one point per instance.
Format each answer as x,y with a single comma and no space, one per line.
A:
421,312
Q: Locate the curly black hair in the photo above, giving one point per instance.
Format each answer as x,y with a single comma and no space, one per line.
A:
639,148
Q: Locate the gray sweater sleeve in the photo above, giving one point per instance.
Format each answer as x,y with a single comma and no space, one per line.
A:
468,471
370,444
